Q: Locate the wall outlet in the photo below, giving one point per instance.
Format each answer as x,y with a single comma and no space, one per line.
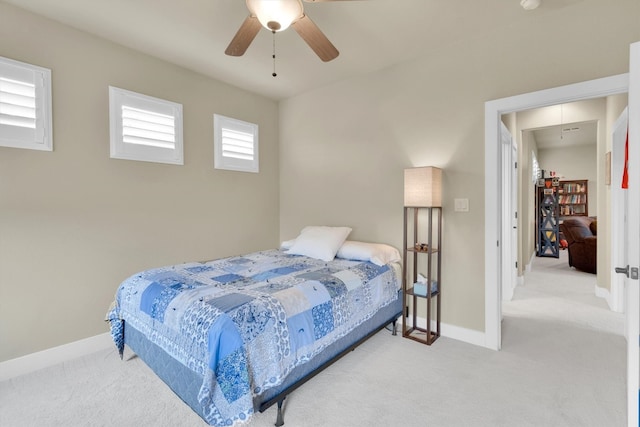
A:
461,205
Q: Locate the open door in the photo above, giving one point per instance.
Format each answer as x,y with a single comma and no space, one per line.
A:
632,245
618,213
509,227
623,291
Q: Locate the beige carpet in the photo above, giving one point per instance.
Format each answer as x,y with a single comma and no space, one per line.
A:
556,292
554,370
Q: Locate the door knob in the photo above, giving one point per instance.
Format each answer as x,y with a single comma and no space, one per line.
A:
623,270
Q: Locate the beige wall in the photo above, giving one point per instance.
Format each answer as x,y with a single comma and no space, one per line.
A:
343,147
74,223
575,163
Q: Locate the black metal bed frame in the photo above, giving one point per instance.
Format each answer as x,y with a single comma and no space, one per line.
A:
280,397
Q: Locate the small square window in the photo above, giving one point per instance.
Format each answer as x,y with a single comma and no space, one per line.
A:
25,106
145,128
235,144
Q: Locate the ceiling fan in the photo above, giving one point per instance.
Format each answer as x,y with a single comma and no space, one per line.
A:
276,16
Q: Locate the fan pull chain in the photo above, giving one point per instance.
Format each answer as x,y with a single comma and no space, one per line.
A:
274,54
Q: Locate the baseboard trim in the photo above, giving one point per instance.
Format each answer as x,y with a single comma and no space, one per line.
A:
468,336
52,356
604,293
527,268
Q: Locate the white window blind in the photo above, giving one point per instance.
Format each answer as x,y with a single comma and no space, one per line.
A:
236,144
145,128
17,103
148,128
25,106
535,168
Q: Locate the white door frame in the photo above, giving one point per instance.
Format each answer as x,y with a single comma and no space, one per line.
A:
493,277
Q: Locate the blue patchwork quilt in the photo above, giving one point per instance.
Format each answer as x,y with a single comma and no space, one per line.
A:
243,323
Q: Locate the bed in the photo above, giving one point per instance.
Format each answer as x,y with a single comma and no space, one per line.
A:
236,335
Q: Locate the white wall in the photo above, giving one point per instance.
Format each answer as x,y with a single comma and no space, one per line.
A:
74,223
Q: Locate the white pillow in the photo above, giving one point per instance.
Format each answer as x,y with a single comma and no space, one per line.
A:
320,242
377,253
286,244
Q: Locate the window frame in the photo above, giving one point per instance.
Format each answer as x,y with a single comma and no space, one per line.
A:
41,138
119,149
221,161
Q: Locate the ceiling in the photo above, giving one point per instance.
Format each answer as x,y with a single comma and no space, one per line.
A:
567,135
370,35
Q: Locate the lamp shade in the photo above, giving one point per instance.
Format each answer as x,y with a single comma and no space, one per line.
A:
423,187
276,15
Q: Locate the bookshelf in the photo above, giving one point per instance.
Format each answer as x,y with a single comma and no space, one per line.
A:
573,197
547,218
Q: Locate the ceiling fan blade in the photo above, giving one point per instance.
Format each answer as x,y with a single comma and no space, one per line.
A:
243,38
316,40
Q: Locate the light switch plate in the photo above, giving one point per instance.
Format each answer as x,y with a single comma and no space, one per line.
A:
461,205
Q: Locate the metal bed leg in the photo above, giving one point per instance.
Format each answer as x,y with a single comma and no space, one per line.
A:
280,419
394,330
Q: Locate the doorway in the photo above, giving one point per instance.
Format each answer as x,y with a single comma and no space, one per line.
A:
568,142
495,253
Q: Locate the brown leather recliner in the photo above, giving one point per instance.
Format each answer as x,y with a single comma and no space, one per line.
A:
581,234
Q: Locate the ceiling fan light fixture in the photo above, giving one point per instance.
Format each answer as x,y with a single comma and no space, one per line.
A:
276,15
530,4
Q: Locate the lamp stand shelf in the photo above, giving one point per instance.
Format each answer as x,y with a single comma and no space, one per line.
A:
425,256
